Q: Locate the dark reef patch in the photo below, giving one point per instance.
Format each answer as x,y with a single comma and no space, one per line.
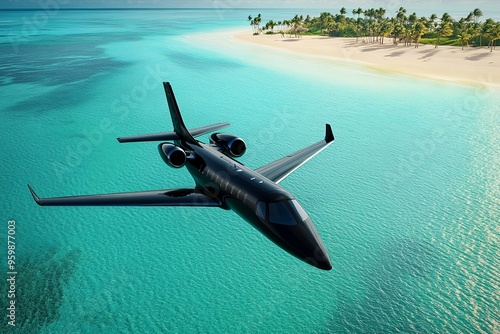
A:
70,65
64,96
58,60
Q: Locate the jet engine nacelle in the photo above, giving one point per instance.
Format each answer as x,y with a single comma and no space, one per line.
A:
173,155
231,144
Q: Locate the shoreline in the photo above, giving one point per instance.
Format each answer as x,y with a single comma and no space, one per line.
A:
445,63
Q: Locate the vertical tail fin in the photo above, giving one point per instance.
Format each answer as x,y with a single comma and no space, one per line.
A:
179,127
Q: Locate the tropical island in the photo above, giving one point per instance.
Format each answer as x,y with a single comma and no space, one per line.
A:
375,26
439,48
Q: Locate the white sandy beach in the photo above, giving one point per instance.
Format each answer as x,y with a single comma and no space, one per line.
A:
471,65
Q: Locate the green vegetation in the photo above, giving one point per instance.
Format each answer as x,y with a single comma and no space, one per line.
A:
372,25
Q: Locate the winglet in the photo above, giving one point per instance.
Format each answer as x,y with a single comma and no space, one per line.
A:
329,134
35,197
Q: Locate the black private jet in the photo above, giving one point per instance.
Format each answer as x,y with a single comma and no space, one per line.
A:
221,181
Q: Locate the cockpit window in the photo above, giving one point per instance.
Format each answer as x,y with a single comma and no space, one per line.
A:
280,213
283,212
301,213
261,210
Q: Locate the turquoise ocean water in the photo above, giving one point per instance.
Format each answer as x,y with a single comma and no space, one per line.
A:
406,199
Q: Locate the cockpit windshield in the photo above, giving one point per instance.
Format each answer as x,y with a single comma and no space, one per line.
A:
261,210
279,213
300,212
284,212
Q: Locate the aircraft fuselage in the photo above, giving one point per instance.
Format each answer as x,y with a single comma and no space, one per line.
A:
243,190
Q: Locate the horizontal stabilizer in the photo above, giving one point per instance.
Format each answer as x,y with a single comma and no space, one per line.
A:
172,135
207,129
151,137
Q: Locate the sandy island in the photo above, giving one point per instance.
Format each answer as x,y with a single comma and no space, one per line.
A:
449,63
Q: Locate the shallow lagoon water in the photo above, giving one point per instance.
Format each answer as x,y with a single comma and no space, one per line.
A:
406,199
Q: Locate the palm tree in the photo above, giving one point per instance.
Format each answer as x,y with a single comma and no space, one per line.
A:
494,34
443,29
358,11
484,30
370,14
398,31
431,23
258,20
343,11
250,19
401,15
339,25
255,23
358,21
286,25
419,29
324,20
296,24
386,29
307,21
464,31
270,25
477,13
469,17
381,12
410,28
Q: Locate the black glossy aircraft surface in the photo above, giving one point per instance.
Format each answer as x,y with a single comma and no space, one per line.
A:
221,181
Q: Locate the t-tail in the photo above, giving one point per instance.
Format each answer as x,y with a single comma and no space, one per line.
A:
180,133
179,126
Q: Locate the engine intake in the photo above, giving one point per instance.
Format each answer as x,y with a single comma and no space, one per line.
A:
173,155
230,144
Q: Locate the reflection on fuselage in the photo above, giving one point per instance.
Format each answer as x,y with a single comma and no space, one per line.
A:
265,205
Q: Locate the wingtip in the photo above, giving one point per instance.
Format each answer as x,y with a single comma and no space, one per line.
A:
329,134
35,196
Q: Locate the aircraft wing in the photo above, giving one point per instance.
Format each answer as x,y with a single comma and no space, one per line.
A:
172,197
172,135
278,170
207,129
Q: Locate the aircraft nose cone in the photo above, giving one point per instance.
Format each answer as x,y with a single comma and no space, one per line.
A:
304,242
316,255
326,265
320,259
